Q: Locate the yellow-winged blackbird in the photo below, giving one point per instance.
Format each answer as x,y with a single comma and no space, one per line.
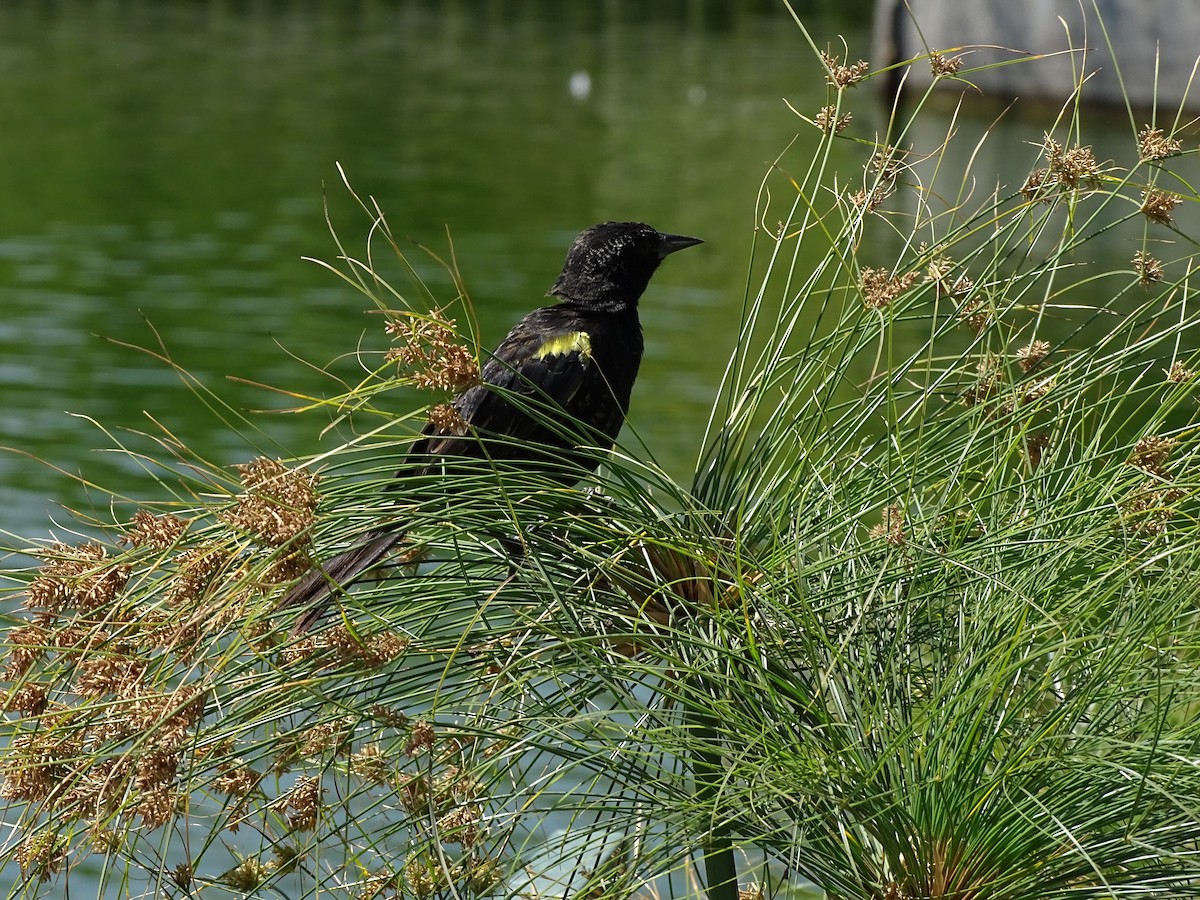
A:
553,394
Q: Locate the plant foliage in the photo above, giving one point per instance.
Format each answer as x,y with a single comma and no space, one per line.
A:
922,625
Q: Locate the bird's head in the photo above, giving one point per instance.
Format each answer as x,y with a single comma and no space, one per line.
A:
609,265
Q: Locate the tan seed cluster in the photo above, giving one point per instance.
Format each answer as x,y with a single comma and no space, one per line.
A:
82,577
940,64
1154,144
871,200
1149,269
880,287
891,529
1151,453
989,377
1149,508
278,504
1159,206
370,764
974,312
1031,357
828,121
109,674
885,165
26,645
375,651
156,532
431,350
236,780
27,699
385,715
248,874
36,763
425,877
888,162
1075,167
1179,373
1072,169
842,76
194,572
422,737
446,419
40,855
326,737
302,804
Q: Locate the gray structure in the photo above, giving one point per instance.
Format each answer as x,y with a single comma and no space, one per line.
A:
1147,36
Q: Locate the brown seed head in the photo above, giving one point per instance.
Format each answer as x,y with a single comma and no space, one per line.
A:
891,529
28,699
871,200
432,351
879,287
1032,355
26,645
1151,453
422,737
1158,206
237,781
944,65
446,419
157,532
278,504
109,674
842,76
828,121
1154,144
40,855
1148,268
1179,373
303,804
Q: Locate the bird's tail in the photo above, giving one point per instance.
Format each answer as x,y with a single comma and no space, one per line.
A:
315,590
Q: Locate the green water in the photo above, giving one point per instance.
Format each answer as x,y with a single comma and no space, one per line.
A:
163,166
163,169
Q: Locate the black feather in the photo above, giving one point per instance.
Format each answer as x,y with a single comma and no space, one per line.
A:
554,392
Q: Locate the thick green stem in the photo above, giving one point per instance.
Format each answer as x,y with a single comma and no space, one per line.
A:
720,867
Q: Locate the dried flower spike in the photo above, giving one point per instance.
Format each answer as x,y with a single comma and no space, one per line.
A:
156,532
278,505
1157,206
303,804
1148,268
447,420
891,529
830,122
879,287
432,351
887,161
1179,373
1036,186
1151,453
944,65
842,76
1032,355
869,201
1154,144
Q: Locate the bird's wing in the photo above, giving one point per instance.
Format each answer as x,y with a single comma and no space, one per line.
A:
546,365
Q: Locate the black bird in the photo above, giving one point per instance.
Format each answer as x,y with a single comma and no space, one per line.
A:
555,389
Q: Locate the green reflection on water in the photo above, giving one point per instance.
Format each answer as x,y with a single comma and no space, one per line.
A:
165,163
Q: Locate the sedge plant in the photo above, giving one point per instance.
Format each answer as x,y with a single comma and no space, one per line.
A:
922,624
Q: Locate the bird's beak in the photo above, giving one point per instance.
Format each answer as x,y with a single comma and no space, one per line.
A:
669,243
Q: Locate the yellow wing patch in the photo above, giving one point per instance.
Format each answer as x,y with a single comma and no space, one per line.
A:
575,342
